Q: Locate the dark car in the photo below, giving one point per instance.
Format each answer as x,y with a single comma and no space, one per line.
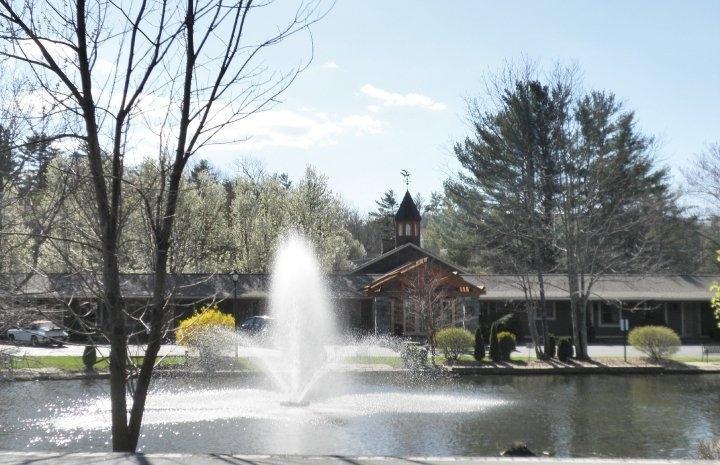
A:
256,324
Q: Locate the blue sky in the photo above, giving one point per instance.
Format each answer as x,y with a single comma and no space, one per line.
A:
388,82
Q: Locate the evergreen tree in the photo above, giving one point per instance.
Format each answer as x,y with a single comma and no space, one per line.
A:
494,349
203,167
479,352
384,216
38,153
8,161
554,180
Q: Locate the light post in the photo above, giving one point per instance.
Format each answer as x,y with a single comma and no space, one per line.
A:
235,278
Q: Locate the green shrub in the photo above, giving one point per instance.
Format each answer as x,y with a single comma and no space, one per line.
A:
550,348
565,349
89,358
506,343
657,342
495,354
479,345
453,342
413,356
512,323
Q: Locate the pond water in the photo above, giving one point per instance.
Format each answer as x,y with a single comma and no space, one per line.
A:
369,414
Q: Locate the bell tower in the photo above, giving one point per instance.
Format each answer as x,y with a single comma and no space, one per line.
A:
407,222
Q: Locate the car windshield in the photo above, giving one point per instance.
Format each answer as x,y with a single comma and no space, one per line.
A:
48,327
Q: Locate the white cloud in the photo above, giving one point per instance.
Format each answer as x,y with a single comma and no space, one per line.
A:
104,66
373,108
330,65
289,129
406,100
58,51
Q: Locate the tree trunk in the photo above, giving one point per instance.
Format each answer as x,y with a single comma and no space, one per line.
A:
543,312
532,317
573,289
583,329
118,357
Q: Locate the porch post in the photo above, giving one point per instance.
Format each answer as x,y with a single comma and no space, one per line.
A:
374,307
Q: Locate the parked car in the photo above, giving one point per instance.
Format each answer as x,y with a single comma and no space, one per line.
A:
39,332
256,324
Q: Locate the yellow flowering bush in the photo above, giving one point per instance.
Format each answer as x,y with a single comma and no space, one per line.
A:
192,329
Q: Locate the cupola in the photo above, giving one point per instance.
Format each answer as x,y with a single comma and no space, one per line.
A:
407,222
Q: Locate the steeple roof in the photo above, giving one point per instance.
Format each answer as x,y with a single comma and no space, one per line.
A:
408,210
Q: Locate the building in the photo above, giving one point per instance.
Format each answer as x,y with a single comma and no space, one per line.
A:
375,297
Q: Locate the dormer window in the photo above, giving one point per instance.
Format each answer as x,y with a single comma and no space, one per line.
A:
408,229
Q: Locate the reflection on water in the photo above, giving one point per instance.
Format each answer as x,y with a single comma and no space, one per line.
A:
634,416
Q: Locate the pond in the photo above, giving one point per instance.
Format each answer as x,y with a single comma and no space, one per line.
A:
661,416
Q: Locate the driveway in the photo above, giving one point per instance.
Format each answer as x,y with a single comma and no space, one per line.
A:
596,351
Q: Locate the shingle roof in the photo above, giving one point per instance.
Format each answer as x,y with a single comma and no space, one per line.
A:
408,210
608,288
348,286
183,286
398,257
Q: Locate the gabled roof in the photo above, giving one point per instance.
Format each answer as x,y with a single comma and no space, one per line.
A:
399,256
408,210
182,286
445,278
609,288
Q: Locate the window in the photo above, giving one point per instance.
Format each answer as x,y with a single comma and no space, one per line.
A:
549,312
400,229
609,315
408,229
410,316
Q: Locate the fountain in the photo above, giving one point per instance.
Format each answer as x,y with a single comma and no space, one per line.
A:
357,411
303,326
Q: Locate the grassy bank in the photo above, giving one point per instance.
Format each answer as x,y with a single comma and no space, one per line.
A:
75,363
71,363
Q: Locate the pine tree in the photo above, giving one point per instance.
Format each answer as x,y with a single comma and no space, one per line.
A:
495,354
8,162
38,153
479,345
384,216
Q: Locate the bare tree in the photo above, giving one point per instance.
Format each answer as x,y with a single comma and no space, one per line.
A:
428,291
704,178
167,76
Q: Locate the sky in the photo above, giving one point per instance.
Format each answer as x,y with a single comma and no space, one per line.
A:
388,82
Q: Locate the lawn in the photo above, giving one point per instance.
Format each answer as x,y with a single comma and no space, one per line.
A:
394,362
75,363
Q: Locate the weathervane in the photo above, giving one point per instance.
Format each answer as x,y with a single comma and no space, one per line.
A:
406,176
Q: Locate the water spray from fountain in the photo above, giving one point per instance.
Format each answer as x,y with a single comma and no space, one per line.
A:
303,325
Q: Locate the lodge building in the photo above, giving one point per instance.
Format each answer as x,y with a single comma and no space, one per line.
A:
372,298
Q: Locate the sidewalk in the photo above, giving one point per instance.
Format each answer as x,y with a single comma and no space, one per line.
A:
109,458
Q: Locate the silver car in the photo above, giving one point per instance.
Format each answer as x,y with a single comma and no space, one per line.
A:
39,332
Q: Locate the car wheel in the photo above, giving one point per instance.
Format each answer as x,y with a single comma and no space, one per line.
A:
12,338
34,341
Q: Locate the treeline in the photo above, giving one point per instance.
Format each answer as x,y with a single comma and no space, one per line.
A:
550,169
225,221
556,179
